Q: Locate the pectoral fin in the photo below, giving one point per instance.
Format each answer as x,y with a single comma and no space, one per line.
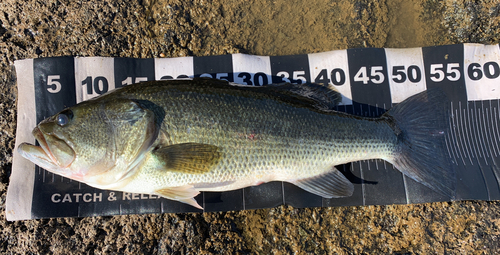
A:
189,158
184,194
328,185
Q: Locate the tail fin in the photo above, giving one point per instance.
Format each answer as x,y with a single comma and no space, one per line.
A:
421,123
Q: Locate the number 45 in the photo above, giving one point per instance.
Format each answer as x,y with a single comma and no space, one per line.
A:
376,75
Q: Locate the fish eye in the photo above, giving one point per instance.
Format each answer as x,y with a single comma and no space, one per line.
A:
64,117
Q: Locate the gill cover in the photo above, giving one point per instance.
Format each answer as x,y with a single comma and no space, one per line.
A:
133,127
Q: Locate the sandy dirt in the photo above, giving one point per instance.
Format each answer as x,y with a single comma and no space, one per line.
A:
172,28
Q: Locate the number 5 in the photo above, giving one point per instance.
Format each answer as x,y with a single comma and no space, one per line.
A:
377,71
453,71
299,76
436,73
52,80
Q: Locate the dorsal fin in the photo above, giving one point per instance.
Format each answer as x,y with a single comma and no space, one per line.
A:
315,95
310,95
320,96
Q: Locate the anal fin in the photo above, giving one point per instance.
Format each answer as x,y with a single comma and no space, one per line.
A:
184,194
332,184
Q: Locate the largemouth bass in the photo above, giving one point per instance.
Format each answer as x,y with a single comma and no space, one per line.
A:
179,137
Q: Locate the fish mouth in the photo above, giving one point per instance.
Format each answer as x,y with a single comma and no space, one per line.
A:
53,153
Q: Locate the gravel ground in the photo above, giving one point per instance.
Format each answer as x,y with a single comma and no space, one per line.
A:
172,28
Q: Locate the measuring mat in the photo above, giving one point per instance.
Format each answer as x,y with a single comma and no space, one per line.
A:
371,81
